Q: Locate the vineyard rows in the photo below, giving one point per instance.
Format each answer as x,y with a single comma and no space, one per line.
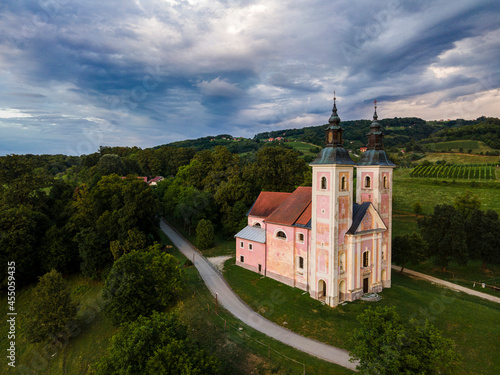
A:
469,172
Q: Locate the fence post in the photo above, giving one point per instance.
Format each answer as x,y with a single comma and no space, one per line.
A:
269,350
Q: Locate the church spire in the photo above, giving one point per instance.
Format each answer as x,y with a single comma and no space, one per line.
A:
334,130
375,135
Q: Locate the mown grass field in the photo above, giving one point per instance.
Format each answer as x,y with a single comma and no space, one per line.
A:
468,320
466,145
459,158
303,147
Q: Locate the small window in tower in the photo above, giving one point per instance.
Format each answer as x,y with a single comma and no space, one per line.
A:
367,182
323,183
366,256
343,184
281,234
386,185
301,263
301,237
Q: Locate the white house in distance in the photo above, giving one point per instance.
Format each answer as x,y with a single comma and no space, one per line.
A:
316,238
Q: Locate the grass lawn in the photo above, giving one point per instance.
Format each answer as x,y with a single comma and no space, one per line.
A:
471,322
429,192
456,158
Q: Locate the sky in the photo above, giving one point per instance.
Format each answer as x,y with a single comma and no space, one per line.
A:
76,75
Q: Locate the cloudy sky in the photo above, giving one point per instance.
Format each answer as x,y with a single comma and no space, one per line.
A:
75,75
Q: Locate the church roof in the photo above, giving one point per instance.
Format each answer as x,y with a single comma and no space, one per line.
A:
294,209
252,234
358,213
304,220
375,157
267,202
333,155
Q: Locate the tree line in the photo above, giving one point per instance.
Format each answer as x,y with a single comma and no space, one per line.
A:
460,232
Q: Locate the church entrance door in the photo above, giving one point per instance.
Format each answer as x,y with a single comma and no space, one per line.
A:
321,290
365,285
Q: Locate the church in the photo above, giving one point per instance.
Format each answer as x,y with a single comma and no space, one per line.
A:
317,238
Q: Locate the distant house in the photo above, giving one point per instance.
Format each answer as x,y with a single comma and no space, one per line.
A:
270,139
279,139
363,149
155,180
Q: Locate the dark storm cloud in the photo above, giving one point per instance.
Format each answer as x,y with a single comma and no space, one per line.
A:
75,75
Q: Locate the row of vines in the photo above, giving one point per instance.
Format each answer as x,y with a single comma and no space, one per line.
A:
469,172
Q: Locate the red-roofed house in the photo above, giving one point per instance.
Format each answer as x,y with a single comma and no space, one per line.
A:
316,238
155,180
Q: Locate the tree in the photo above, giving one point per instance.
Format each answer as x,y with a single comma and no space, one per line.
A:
466,204
51,308
417,208
204,234
482,230
276,169
155,345
140,283
386,344
408,248
111,163
444,233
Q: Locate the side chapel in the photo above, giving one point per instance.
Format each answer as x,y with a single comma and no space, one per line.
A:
316,238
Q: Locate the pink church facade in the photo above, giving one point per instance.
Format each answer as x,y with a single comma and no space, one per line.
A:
317,238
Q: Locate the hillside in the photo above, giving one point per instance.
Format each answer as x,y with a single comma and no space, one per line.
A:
409,133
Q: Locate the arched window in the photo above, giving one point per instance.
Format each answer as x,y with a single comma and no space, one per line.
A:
257,225
323,183
366,258
386,185
367,182
343,183
281,234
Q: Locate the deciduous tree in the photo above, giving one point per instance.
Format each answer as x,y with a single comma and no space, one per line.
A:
51,308
140,283
204,234
386,344
408,248
155,345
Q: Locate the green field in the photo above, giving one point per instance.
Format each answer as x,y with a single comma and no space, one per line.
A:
429,193
458,158
475,146
303,147
468,320
471,172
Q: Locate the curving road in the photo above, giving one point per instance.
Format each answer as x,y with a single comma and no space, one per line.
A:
226,297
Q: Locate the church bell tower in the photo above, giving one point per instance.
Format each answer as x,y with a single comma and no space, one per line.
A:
331,217
374,184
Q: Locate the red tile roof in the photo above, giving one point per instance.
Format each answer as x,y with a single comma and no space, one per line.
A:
293,208
305,218
267,202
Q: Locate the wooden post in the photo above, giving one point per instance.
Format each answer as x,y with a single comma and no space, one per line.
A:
304,369
269,350
225,321
193,258
216,304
